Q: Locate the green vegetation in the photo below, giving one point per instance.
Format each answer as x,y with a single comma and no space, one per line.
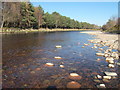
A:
24,15
112,25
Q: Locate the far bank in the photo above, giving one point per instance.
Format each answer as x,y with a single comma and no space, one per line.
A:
14,30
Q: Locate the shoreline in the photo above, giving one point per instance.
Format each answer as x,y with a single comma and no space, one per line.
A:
111,40
5,31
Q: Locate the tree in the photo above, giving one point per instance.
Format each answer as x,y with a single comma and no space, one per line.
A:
39,16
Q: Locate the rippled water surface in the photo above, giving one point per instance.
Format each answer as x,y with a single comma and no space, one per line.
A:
25,56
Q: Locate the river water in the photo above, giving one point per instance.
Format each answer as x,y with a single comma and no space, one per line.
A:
24,57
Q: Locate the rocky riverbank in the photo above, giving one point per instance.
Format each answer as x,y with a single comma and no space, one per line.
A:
15,30
110,40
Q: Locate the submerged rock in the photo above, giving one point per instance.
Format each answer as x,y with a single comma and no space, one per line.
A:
98,81
73,84
106,80
82,46
86,44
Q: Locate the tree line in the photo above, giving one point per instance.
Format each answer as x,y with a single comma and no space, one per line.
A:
24,15
112,25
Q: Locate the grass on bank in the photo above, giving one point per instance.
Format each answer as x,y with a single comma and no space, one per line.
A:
18,30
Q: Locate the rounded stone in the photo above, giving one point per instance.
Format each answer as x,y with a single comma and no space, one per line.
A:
74,76
73,84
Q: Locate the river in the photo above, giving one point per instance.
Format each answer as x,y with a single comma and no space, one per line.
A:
24,57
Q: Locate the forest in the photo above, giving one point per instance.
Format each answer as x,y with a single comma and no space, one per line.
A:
112,25
24,15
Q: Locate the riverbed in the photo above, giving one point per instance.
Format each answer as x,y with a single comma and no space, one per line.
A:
24,57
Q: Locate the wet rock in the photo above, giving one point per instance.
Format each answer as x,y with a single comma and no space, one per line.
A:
49,64
111,66
101,86
73,84
57,57
73,69
98,59
58,46
38,69
32,72
111,73
107,77
100,49
82,46
109,59
106,80
98,81
99,77
57,81
106,55
118,63
86,44
74,76
62,66
100,54
55,76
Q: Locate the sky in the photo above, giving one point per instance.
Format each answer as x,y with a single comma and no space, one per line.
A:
92,12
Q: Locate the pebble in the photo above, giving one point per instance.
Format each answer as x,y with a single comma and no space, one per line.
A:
73,84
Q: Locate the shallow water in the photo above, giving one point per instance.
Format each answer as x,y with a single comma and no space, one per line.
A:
23,54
